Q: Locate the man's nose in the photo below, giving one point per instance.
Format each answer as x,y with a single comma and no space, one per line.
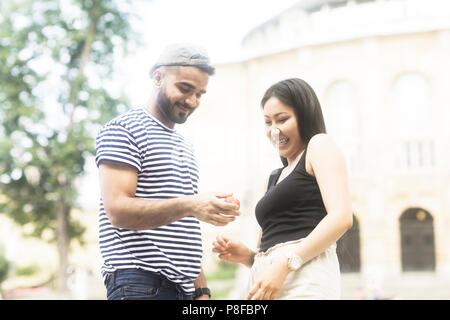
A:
192,101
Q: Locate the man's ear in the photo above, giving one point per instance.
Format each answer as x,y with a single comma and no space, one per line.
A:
157,78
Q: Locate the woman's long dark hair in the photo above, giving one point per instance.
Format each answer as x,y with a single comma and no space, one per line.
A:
299,95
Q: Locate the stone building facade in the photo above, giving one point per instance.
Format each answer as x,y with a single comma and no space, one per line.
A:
381,70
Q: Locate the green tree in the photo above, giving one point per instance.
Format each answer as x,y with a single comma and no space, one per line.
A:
4,268
56,63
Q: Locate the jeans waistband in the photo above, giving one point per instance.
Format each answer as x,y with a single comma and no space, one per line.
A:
150,277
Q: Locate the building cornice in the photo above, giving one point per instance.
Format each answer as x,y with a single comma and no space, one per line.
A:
297,27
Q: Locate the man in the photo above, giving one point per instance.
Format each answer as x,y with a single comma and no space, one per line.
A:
149,227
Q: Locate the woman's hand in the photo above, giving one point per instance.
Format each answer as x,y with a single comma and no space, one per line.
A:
269,281
233,251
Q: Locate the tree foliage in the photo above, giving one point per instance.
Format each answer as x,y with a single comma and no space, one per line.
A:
56,66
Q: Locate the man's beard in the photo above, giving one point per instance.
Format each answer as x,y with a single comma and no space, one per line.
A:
168,108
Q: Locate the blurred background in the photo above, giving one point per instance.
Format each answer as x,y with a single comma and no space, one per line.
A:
380,68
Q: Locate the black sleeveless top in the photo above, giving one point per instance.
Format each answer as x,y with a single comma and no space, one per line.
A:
291,209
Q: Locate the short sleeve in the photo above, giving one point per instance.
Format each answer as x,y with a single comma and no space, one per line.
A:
116,143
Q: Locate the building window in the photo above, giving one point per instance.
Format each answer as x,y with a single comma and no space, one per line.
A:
417,240
412,122
343,123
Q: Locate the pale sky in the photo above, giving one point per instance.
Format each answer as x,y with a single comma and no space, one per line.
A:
218,26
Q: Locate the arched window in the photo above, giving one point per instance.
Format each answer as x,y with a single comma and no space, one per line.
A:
412,122
348,249
340,112
417,240
342,120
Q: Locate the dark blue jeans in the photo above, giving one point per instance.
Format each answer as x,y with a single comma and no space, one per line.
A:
137,284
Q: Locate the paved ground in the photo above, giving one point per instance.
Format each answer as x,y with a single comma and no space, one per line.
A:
411,286
408,286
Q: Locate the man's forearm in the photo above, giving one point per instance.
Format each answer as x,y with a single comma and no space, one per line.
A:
143,214
200,282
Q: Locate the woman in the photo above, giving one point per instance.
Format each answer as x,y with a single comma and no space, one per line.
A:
306,207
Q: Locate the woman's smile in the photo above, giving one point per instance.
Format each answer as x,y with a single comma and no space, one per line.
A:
280,141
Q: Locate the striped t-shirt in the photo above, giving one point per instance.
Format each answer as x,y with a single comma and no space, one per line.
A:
167,168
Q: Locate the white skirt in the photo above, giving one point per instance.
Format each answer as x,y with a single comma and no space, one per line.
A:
318,279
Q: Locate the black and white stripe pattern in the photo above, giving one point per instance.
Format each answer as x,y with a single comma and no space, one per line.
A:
166,169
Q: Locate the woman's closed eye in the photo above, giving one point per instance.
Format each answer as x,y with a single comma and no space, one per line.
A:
268,122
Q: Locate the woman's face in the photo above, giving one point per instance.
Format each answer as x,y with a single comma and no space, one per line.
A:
282,128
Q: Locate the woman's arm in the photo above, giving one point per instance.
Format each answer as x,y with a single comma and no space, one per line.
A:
326,162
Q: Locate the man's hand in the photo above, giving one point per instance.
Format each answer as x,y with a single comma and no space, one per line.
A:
212,208
234,200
